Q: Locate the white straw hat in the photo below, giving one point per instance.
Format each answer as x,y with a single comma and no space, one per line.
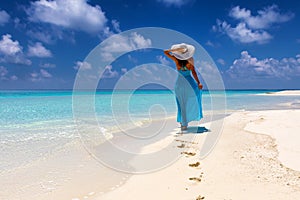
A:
188,53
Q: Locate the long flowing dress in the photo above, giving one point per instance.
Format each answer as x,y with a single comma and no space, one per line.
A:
188,98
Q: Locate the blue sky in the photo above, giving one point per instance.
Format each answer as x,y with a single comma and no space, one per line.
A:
255,44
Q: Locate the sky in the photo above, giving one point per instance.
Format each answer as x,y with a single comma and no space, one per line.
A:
43,43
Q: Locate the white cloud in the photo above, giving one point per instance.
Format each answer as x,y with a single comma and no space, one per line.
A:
163,60
17,23
106,32
107,56
132,59
209,43
243,34
209,71
265,18
148,69
82,65
139,41
240,13
4,17
8,46
3,73
39,76
248,67
45,73
34,77
177,3
119,44
250,28
11,51
14,78
109,72
38,50
76,15
48,34
124,70
213,44
116,25
221,61
151,73
43,36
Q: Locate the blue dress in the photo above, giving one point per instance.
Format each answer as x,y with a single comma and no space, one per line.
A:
188,98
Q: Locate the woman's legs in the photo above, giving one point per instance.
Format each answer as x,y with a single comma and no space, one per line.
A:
184,126
184,122
181,112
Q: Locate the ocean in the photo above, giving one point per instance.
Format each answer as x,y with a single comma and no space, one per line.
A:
34,124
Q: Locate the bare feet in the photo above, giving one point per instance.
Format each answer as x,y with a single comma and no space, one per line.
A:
183,128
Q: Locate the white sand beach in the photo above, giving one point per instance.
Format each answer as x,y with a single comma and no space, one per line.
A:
256,157
247,163
283,93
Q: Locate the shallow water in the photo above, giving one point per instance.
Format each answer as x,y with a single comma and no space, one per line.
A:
34,124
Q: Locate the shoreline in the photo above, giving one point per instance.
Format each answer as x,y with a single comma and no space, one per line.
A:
243,165
282,93
248,162
285,134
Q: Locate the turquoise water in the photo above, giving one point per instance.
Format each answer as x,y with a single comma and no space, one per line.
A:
33,124
19,107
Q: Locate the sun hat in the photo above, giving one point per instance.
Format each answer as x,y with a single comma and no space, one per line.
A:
188,53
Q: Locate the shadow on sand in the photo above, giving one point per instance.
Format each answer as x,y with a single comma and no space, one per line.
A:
195,130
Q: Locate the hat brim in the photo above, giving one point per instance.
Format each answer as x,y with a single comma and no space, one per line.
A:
190,50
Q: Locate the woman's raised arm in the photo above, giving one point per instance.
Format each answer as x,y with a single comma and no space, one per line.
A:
167,53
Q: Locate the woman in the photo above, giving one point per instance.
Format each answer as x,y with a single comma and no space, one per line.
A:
187,89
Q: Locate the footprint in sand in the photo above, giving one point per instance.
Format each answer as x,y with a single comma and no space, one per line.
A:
184,141
199,197
188,153
195,179
181,146
194,164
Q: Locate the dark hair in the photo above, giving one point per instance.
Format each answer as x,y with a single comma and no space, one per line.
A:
182,62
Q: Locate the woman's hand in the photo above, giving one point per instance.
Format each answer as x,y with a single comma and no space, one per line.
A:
200,86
